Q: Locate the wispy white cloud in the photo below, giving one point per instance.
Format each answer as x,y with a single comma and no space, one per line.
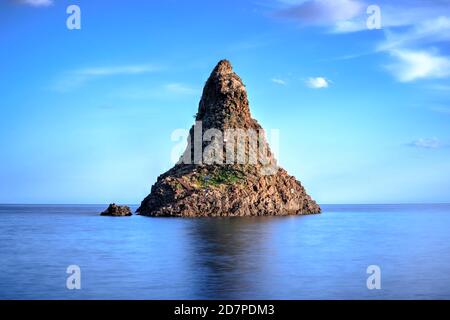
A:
414,30
168,91
322,12
76,78
413,65
278,81
411,12
37,3
317,82
348,26
427,31
180,88
419,15
116,70
414,50
343,16
426,143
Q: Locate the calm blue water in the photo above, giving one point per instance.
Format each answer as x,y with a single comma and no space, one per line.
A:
307,257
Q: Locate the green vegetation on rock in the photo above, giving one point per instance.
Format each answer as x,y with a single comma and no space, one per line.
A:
222,176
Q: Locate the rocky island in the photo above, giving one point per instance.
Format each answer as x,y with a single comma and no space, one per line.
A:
227,168
114,210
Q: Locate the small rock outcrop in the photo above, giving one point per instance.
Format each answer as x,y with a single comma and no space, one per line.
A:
117,211
227,168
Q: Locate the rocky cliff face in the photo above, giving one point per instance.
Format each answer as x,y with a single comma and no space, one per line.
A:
227,168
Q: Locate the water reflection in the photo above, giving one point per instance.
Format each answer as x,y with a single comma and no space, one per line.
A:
227,254
308,257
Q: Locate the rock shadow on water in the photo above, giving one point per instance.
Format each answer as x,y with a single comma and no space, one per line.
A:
228,255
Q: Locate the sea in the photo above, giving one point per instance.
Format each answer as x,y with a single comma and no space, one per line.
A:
347,252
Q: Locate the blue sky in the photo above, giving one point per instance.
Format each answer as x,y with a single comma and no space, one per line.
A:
86,115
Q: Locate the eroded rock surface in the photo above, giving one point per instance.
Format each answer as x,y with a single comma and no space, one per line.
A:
199,186
117,211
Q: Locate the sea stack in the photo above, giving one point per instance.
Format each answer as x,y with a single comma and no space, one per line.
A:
114,210
227,168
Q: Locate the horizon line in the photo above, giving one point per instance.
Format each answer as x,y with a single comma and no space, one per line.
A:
137,204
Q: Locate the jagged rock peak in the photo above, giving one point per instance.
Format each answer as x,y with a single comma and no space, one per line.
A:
223,67
224,102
